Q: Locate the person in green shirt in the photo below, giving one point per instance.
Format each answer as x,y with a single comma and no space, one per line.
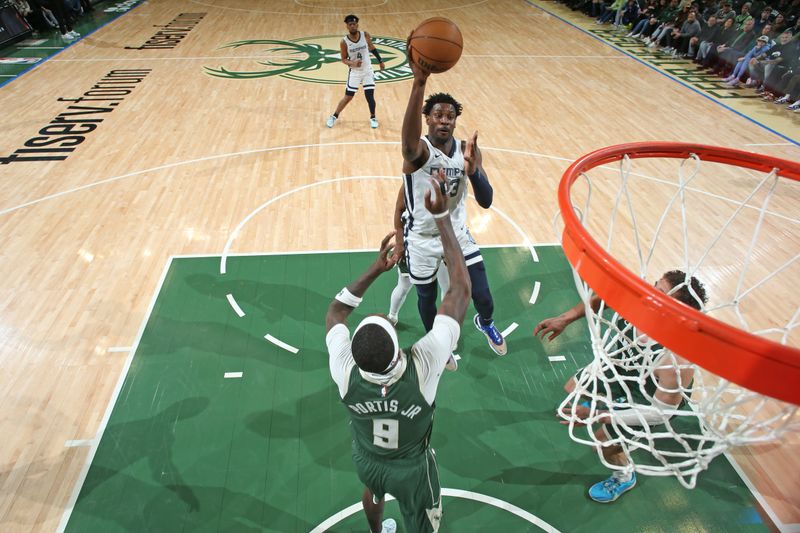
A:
389,393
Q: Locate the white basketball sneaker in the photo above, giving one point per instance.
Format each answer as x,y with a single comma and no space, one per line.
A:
331,121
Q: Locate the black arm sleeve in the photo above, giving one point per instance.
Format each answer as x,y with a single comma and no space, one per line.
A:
483,189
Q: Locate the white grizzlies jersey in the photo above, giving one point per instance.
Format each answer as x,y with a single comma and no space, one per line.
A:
420,219
358,50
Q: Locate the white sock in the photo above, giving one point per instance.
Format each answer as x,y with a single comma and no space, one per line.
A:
399,294
622,477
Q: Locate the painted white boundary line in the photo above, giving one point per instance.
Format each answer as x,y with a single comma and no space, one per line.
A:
783,528
116,349
112,401
556,358
453,493
79,442
281,344
509,330
350,143
233,375
234,305
342,251
535,294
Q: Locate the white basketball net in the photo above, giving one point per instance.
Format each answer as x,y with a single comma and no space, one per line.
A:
751,282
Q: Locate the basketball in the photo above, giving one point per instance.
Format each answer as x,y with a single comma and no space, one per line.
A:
436,44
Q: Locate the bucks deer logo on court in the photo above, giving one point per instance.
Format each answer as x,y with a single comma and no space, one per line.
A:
311,59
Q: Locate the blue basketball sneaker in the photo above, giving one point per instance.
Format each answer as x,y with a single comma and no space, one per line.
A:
610,489
496,341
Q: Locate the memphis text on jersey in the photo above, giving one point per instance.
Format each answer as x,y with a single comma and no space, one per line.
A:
384,406
69,128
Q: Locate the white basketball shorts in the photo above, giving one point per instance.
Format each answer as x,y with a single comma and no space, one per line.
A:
424,253
360,77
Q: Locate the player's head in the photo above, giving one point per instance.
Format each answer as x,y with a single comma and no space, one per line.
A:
352,23
689,291
374,345
441,111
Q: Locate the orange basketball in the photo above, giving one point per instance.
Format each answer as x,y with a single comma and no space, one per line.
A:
436,44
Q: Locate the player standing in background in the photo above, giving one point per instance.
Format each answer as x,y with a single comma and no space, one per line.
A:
355,48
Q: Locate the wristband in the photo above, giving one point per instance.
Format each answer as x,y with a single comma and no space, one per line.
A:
441,215
347,298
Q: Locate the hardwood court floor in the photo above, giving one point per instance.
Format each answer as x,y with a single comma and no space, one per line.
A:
185,156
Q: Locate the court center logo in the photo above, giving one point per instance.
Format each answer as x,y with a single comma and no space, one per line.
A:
310,59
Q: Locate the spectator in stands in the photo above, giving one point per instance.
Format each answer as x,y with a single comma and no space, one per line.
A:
784,79
769,68
728,54
726,12
726,36
763,19
705,38
778,25
64,24
648,20
669,19
743,15
761,47
677,41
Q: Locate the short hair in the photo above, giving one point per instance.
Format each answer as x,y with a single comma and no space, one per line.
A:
373,349
689,291
440,98
350,18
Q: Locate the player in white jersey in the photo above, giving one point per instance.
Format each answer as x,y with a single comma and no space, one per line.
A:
355,49
421,242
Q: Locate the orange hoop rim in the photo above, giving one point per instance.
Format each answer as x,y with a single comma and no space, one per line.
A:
754,362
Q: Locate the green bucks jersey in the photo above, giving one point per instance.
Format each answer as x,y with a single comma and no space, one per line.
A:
391,422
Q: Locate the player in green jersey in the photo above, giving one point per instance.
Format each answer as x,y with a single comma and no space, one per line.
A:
389,393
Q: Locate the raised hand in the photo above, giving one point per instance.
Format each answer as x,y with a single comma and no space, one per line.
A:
472,156
420,74
436,198
385,262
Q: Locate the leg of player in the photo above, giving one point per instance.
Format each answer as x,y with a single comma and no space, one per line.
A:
374,512
621,481
426,303
339,108
484,304
398,297
370,96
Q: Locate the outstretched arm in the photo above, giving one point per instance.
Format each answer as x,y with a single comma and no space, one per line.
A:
415,152
457,298
349,297
555,325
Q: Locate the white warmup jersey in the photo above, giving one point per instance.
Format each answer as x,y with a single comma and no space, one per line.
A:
359,50
420,219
